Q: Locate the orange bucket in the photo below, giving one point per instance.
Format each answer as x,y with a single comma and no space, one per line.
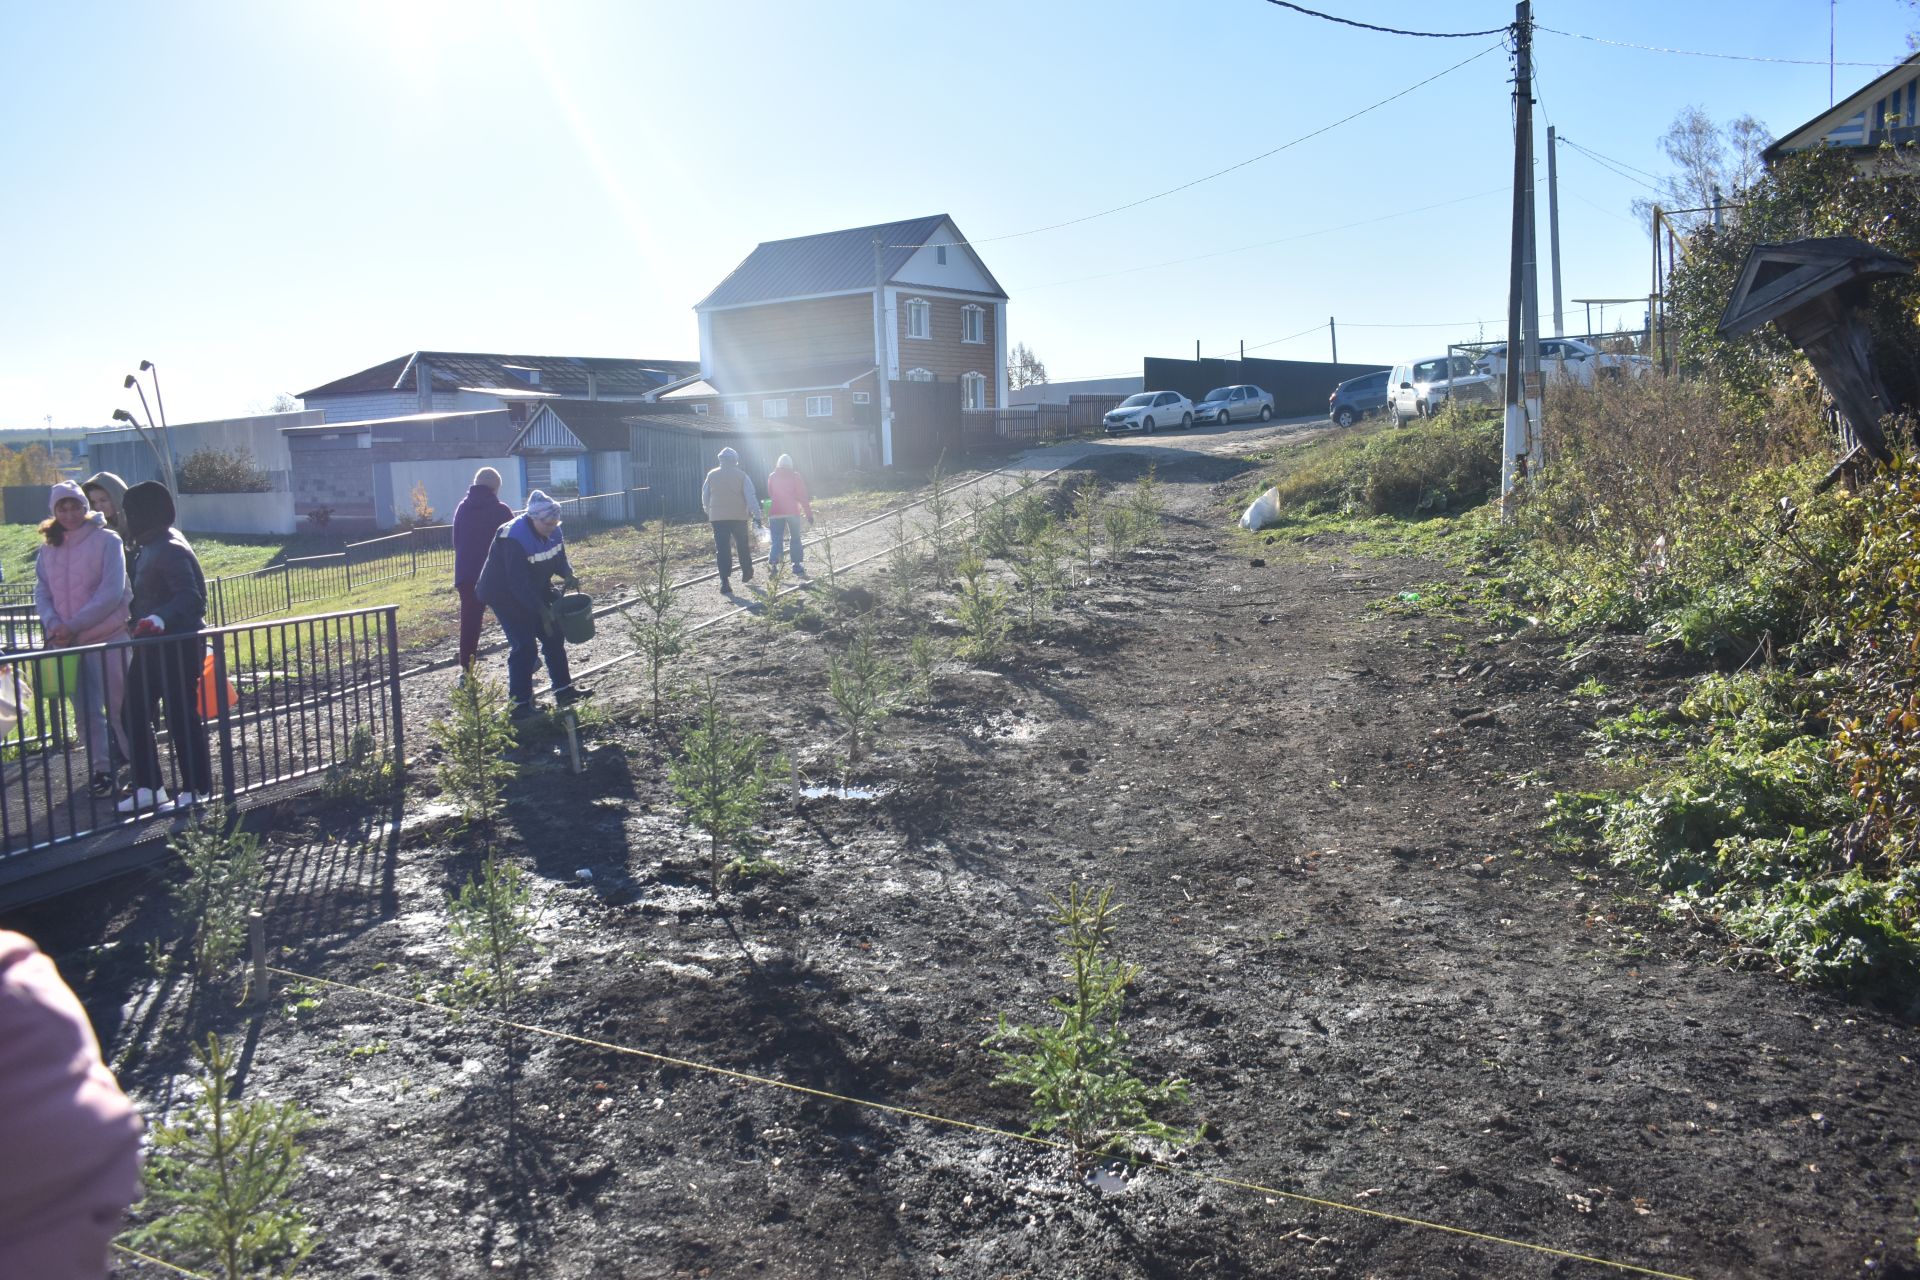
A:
211,701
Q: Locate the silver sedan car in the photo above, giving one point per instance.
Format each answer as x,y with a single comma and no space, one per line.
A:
1234,404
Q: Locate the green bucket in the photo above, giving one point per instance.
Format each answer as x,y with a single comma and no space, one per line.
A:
574,612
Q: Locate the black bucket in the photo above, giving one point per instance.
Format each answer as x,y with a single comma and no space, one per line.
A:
574,612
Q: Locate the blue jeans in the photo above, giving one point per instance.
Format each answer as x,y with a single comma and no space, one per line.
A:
778,527
728,536
523,634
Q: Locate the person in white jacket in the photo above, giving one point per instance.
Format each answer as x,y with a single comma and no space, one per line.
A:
82,596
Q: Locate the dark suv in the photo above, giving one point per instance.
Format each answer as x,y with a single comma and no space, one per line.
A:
1357,397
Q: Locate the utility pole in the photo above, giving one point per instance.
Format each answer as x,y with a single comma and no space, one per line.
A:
1553,228
885,400
1333,336
50,459
1515,451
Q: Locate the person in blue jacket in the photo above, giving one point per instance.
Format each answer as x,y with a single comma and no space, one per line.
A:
516,582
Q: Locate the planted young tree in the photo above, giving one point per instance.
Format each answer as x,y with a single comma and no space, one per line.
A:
1037,569
226,876
492,921
831,578
1087,520
220,1180
1078,1075
722,778
474,738
773,610
924,654
993,525
1145,505
903,566
982,613
1032,510
865,691
941,508
655,623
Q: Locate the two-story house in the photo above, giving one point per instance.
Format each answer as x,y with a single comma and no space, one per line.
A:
810,330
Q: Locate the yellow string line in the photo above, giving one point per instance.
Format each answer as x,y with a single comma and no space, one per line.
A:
159,1262
908,1112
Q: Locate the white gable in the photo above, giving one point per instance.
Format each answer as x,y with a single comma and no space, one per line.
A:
960,271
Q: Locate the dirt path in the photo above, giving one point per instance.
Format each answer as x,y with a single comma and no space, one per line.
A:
1354,944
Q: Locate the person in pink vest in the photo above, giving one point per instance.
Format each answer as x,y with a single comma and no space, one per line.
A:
787,491
82,595
70,1138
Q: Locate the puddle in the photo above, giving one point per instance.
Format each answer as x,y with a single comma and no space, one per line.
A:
843,793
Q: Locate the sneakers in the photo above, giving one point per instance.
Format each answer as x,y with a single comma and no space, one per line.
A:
571,694
185,800
102,785
154,798
799,571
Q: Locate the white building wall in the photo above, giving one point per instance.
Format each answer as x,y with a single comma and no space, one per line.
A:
446,481
960,271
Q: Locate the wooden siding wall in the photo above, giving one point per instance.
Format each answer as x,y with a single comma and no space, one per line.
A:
845,412
944,355
791,335
672,464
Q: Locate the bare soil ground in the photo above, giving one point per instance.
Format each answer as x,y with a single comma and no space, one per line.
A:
1386,991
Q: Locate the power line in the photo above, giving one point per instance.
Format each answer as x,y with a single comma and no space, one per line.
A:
1392,31
1608,165
1622,163
1304,235
1219,173
1701,53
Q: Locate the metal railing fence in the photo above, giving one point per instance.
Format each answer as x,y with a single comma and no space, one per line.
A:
223,714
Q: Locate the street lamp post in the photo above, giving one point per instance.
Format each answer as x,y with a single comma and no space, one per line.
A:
147,434
166,432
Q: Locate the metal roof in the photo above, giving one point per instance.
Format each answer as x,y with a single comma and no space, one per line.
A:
512,375
831,262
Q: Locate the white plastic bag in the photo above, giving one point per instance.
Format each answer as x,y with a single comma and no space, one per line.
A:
762,538
1264,511
15,696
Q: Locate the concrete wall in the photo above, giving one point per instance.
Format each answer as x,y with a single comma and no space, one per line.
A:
258,513
126,455
446,483
1064,392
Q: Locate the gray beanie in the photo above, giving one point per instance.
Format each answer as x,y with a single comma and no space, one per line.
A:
541,507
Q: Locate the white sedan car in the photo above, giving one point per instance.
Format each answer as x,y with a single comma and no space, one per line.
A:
1569,360
1149,411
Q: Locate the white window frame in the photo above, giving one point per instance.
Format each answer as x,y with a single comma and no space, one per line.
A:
572,482
819,406
774,408
863,397
973,323
973,390
919,375
700,409
921,311
735,408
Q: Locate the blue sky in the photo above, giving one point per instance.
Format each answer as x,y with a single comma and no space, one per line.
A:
263,197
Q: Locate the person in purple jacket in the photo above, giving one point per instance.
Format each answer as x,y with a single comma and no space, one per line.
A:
475,521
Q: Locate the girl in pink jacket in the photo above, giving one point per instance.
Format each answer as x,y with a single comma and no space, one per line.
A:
82,596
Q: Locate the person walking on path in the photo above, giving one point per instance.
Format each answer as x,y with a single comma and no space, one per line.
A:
82,596
170,602
516,582
787,489
72,1140
106,492
727,496
475,521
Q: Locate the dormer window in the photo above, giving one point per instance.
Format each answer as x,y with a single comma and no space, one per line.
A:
973,323
919,318
940,254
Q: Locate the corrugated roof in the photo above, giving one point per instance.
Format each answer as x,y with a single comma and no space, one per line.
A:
600,425
508,374
831,262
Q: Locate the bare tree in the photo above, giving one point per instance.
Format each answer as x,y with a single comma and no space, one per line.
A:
1024,369
1708,159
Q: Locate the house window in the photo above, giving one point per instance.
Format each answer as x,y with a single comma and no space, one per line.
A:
736,408
563,475
774,408
973,323
919,318
940,254
862,397
819,406
973,390
919,375
700,409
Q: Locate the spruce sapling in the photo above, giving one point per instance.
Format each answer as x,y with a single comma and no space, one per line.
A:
226,876
492,921
474,739
656,624
903,566
982,612
864,689
721,779
1089,507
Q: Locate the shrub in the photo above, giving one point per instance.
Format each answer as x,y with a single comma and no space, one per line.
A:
364,775
1429,467
223,471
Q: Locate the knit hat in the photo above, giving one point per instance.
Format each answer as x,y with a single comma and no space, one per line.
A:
62,491
785,462
541,507
148,508
727,455
488,477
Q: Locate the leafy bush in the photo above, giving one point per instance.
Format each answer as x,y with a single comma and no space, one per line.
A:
223,471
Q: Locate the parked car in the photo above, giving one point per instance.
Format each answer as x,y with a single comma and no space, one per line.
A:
1149,411
1569,360
1419,388
1357,398
1234,404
